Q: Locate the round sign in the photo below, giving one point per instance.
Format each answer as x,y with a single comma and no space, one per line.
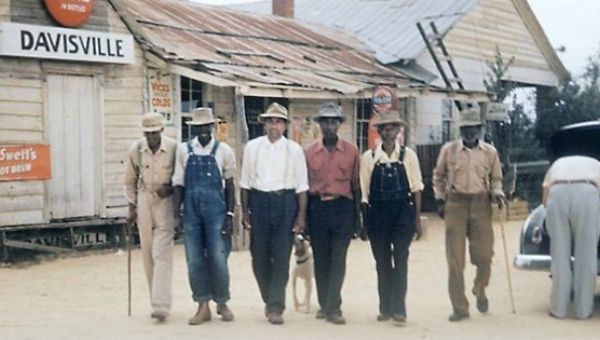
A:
70,13
384,99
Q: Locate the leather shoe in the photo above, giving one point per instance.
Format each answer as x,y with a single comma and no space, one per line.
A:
336,319
399,318
202,315
225,312
275,319
483,305
159,316
320,314
383,317
454,317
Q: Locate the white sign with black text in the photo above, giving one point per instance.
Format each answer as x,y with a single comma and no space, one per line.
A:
46,42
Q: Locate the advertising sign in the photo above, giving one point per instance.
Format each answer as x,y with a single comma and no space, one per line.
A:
70,13
161,94
24,162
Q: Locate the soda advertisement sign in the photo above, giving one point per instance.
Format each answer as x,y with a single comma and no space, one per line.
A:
24,162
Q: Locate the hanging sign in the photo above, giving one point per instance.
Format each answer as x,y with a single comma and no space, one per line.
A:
161,93
70,13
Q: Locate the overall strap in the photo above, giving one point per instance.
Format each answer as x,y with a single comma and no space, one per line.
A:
402,152
190,148
213,151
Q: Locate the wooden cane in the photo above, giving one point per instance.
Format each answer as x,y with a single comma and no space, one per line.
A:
510,288
129,269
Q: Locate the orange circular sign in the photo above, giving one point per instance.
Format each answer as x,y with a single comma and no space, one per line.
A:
384,99
70,13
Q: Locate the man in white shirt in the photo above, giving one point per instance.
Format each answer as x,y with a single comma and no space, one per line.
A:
274,183
202,166
571,196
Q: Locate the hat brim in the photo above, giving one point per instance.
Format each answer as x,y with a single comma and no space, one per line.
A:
393,121
191,122
272,115
152,129
340,118
465,124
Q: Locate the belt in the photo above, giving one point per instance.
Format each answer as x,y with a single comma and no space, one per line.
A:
327,197
575,181
275,192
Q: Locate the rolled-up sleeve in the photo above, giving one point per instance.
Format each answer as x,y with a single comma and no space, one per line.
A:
440,171
413,170
179,172
130,179
366,168
228,163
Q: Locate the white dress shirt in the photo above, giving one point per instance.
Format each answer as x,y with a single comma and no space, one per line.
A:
224,156
573,168
275,166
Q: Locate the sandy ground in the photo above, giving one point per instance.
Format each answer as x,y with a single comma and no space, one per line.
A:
86,297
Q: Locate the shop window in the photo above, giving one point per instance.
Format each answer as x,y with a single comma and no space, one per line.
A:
253,107
363,115
191,98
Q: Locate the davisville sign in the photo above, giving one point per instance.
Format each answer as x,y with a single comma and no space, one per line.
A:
66,44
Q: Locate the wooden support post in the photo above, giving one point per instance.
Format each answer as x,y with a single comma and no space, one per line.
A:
4,253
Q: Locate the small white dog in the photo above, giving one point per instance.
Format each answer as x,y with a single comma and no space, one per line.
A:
303,269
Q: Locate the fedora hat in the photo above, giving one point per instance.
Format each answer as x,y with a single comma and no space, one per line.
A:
152,121
469,117
275,110
202,116
389,117
330,110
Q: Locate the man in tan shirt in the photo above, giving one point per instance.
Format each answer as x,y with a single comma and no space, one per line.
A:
466,179
148,172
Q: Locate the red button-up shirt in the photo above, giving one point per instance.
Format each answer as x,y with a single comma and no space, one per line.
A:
335,172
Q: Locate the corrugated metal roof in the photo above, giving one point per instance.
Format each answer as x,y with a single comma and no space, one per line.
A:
388,27
254,49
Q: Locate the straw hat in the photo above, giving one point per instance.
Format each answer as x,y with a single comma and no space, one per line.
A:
469,117
389,117
152,121
202,116
275,110
330,110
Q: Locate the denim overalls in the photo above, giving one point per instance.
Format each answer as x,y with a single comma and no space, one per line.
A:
204,212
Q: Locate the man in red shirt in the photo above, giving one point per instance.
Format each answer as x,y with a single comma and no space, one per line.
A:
334,206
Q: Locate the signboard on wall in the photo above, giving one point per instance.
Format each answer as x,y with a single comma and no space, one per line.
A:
24,162
70,13
44,42
384,99
161,94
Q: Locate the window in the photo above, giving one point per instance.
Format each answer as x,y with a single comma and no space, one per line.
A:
447,105
254,106
191,98
363,115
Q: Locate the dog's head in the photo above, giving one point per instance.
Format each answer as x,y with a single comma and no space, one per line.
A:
300,245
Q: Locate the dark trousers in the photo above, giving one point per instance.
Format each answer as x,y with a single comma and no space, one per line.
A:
331,228
272,217
391,230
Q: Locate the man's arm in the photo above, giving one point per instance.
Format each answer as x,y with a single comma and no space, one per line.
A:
177,198
245,196
300,222
230,202
130,181
439,180
418,228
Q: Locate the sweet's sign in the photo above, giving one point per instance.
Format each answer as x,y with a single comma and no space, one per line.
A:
24,162
70,13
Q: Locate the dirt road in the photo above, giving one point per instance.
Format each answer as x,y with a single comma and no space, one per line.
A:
85,298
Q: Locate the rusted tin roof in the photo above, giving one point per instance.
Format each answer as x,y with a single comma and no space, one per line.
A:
255,50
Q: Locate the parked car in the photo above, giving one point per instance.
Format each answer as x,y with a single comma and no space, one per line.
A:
576,139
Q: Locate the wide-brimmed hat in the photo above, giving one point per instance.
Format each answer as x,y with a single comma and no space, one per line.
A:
469,117
330,110
202,116
152,121
275,110
389,117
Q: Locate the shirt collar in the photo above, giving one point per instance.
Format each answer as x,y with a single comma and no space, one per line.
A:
162,146
379,151
279,142
338,146
462,144
196,143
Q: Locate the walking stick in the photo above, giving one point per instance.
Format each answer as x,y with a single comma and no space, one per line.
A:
129,268
510,288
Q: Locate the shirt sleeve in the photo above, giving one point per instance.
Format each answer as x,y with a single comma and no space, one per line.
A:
228,163
413,170
355,179
366,168
246,167
496,175
440,174
131,177
300,173
178,174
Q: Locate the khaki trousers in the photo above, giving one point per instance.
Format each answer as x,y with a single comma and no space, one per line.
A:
468,217
156,227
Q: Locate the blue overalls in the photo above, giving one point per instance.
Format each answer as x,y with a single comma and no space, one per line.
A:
204,212
391,228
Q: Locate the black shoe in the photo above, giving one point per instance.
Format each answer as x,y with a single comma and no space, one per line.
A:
383,317
454,317
483,305
336,319
320,314
399,318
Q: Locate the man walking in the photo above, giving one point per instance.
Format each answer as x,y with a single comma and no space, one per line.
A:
391,184
572,203
466,179
333,210
274,184
203,166
148,189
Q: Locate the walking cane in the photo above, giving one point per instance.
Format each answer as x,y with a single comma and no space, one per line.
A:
129,268
510,288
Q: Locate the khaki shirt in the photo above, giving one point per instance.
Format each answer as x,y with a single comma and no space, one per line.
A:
467,171
156,169
411,164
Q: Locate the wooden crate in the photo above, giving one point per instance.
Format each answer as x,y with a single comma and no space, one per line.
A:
514,210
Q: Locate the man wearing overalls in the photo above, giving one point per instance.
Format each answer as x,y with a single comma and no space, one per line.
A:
148,190
334,208
203,165
391,185
466,179
274,184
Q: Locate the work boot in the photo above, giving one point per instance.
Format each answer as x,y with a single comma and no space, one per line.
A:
159,316
383,317
336,319
225,312
275,318
202,315
399,318
456,316
483,305
321,314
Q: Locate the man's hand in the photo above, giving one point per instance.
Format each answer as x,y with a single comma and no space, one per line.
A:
246,221
227,228
440,208
165,190
299,225
499,198
418,229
